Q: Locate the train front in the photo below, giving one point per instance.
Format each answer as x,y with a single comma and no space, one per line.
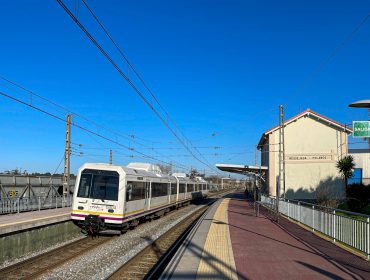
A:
97,204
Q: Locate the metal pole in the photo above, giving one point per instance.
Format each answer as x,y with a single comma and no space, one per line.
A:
334,226
368,237
110,157
313,217
67,158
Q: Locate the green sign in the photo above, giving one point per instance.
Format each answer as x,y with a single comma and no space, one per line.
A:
361,128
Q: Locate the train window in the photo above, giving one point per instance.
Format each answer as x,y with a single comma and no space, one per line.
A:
84,187
159,189
181,188
173,188
104,187
135,191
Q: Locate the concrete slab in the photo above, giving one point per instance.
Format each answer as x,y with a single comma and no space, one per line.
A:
12,223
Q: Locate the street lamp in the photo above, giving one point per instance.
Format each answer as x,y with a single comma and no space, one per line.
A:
362,104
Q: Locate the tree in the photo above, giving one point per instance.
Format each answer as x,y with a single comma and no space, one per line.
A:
193,173
165,168
345,167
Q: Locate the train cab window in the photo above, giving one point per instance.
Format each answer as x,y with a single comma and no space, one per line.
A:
181,188
84,187
105,187
98,184
173,188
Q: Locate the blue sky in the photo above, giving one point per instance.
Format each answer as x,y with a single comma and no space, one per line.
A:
218,67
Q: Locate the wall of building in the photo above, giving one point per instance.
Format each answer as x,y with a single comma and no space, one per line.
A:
312,149
362,160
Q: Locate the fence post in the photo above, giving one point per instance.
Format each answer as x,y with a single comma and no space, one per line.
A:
18,202
39,203
334,225
368,237
313,217
56,202
299,212
288,210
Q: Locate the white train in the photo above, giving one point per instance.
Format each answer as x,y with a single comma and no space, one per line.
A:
118,197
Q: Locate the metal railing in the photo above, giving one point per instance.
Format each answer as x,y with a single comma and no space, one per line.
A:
350,228
35,203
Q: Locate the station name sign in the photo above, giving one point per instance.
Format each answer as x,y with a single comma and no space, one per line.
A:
308,157
361,129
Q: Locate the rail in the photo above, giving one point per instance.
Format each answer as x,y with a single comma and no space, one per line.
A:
35,203
350,228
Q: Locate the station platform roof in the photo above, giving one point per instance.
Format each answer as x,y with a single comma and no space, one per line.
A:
241,169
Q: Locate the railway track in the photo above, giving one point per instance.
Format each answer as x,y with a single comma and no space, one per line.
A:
146,264
38,265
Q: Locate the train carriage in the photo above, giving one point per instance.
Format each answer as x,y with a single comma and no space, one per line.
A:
109,196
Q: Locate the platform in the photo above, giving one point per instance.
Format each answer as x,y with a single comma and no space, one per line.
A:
11,223
230,242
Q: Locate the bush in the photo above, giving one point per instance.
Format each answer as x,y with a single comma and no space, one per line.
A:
357,196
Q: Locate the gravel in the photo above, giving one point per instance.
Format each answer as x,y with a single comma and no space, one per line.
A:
104,260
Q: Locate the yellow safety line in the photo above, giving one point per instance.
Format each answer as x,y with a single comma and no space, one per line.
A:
32,220
218,257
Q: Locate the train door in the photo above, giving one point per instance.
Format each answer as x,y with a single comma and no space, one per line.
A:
147,194
169,192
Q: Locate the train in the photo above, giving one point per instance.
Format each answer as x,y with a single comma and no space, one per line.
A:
112,197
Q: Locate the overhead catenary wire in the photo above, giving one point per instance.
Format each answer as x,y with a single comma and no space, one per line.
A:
63,109
140,78
133,86
82,128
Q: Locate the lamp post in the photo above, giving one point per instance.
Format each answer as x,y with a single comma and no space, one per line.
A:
362,104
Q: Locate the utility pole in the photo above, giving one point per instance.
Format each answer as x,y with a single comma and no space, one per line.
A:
67,158
110,157
281,181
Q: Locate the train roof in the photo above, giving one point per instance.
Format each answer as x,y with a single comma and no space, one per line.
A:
129,170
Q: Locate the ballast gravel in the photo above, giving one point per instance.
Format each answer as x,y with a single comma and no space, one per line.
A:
107,258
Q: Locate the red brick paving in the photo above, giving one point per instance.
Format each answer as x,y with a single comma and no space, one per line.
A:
264,250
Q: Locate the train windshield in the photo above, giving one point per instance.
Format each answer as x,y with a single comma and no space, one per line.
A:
99,184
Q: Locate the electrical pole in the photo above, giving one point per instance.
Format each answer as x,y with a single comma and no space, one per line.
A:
67,157
110,157
281,182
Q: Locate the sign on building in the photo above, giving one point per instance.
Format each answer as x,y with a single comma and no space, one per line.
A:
361,129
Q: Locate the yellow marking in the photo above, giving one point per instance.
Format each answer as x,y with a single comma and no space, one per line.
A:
217,257
132,212
32,220
96,213
106,214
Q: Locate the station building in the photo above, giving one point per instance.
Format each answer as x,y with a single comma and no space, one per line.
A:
312,145
361,174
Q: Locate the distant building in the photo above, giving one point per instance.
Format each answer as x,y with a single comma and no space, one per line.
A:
313,144
361,173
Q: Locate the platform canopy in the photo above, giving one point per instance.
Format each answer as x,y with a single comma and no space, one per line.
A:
241,169
360,104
